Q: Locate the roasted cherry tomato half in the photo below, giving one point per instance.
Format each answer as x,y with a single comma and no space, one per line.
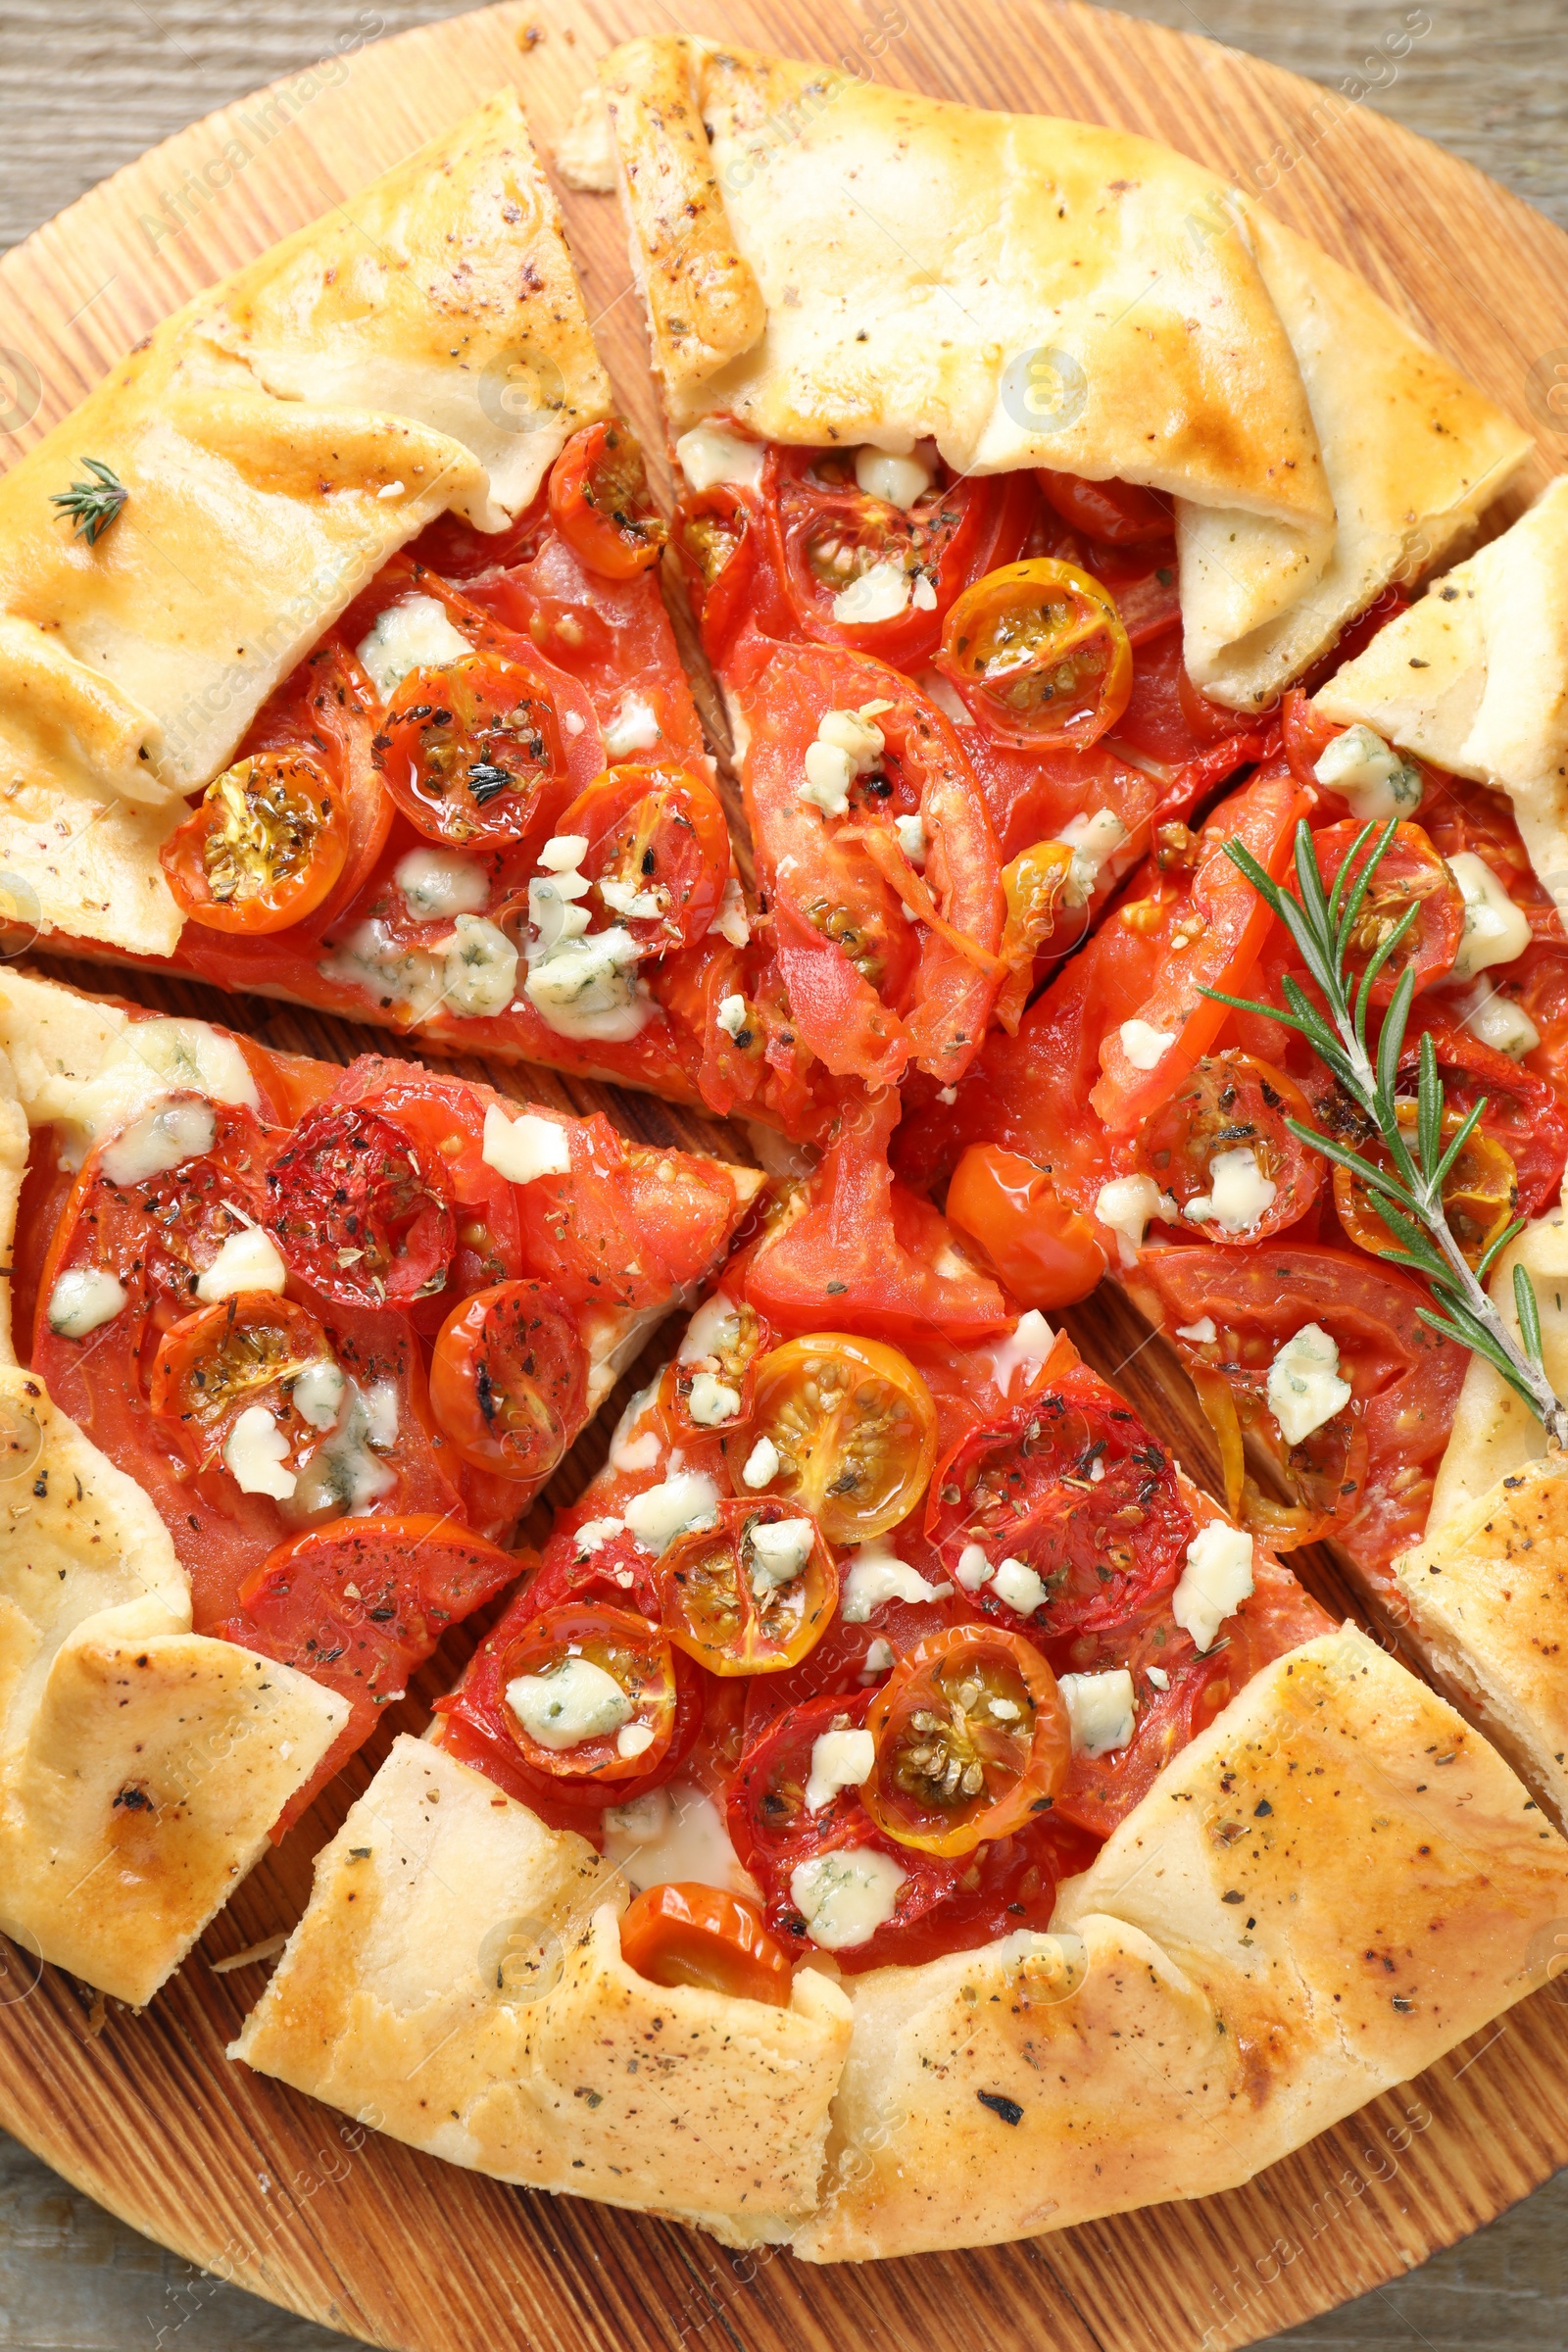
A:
682,1933
717,537
1044,1249
250,1350
657,852
262,847
850,1430
469,751
1038,654
509,1380
599,503
971,1736
362,1208
1409,873
1122,514
1221,1148
750,1596
590,1694
1070,1483
1480,1192
725,1340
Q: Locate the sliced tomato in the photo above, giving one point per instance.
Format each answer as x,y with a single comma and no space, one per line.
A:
509,1380
264,846
718,534
742,1602
893,1265
599,502
1044,1249
853,1431
470,753
1370,1469
824,532
1038,652
1223,932
590,1694
1120,513
657,852
971,1736
1230,1104
360,1209
626,1225
1069,1482
1098,1791
683,1933
358,1607
1409,873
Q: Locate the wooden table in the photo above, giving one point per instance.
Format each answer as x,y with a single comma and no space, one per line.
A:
86,85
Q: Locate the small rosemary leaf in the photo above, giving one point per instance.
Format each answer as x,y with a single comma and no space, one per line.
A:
1269,1012
1402,1225
1356,896
1343,1156
1428,1112
1391,1042
1524,1298
1494,1249
1395,940
1457,1142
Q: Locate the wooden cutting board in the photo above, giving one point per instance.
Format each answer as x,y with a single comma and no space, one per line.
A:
264,2187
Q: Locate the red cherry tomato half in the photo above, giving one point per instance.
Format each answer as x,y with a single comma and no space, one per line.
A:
1044,1249
599,502
657,852
971,1736
262,847
1038,654
588,1693
1119,513
1230,1103
752,1594
469,751
1409,873
1069,1481
681,1934
360,1208
717,537
509,1380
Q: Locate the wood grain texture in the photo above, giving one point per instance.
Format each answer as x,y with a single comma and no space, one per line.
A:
260,2184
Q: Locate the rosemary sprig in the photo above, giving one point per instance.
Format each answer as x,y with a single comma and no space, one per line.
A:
93,505
1409,1196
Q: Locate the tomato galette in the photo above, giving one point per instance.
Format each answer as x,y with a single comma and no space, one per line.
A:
895,1808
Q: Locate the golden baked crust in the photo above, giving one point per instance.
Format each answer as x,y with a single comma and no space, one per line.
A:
1475,678
835,261
422,346
458,1982
1333,1884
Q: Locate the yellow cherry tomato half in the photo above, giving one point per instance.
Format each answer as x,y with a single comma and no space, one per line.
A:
846,1429
1037,651
971,1737
750,1596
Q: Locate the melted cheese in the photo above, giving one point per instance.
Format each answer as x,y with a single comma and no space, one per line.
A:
1216,1580
660,1513
573,1701
880,593
1239,1193
674,1834
411,634
438,883
481,968
897,481
255,1451
1495,930
839,1760
162,1138
1100,1710
762,1465
1144,1046
1024,1350
1126,1204
344,1473
707,454
587,988
83,1299
732,922
317,1393
876,1576
712,1402
634,728
1499,1021
1016,1583
143,1065
527,1147
1093,840
780,1550
845,1896
371,960
1304,1388
248,1260
1370,775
